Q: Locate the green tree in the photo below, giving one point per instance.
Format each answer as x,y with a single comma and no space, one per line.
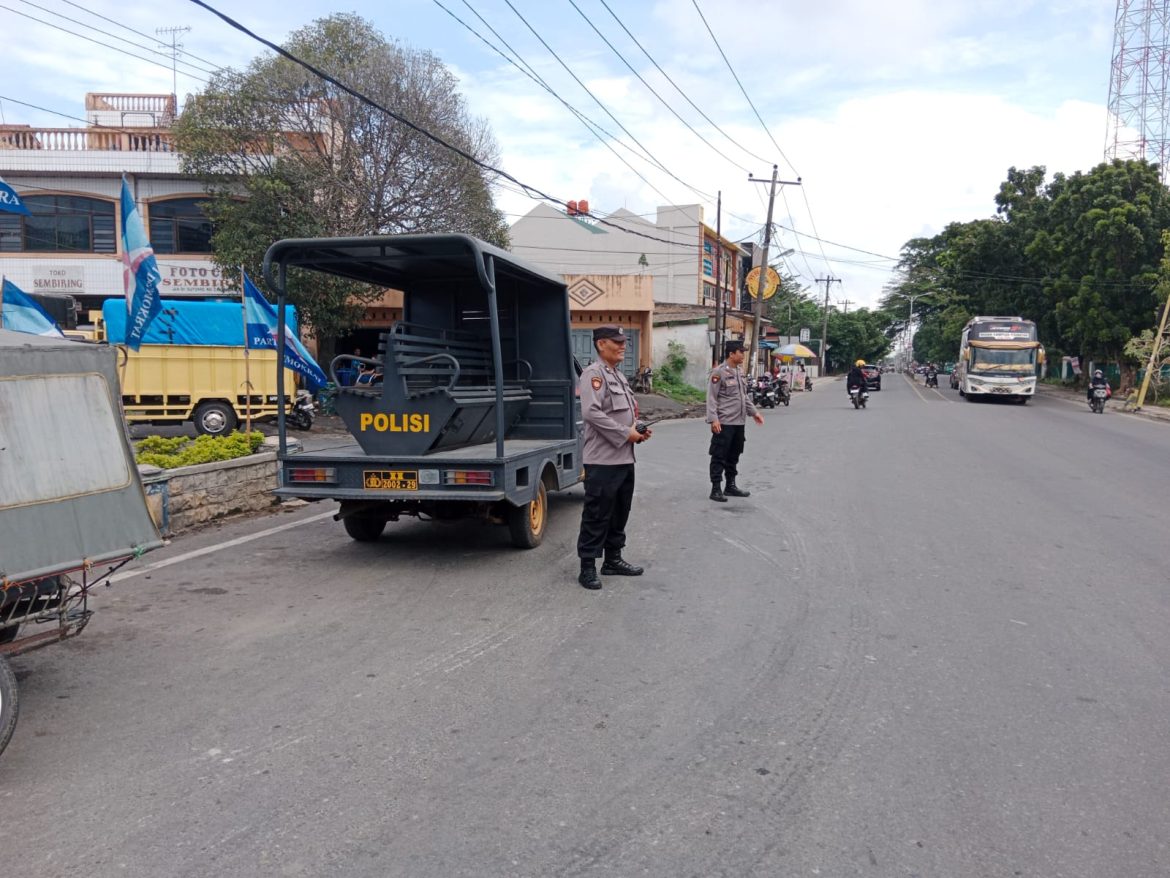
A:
286,154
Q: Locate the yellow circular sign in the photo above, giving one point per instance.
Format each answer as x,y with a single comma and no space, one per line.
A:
771,283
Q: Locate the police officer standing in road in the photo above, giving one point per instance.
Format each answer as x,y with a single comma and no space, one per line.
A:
728,408
609,410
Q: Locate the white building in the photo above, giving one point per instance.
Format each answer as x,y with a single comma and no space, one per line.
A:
70,179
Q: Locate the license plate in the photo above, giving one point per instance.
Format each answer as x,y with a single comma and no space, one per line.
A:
390,480
1001,390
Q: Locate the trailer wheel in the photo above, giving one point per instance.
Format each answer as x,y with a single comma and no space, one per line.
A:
364,528
215,419
527,523
9,703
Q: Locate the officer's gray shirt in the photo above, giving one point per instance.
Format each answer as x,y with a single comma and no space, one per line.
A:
727,397
607,407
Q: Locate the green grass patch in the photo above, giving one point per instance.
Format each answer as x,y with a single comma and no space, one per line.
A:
169,453
679,392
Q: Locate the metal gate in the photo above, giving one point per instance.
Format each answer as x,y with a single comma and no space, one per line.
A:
585,354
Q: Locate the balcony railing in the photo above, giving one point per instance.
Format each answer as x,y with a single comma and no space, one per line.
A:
81,139
163,105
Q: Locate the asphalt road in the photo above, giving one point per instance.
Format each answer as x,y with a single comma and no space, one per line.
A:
934,642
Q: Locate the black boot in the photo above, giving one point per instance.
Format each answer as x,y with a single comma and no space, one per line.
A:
732,491
615,565
588,576
717,493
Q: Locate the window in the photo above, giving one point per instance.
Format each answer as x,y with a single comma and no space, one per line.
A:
60,224
179,225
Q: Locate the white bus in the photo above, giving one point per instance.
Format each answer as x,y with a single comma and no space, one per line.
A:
998,357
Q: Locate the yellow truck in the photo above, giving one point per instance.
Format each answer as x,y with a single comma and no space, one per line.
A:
206,384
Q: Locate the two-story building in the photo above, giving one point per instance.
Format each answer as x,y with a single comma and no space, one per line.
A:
70,179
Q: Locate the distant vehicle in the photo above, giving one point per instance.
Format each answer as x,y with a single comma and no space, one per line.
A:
873,377
998,357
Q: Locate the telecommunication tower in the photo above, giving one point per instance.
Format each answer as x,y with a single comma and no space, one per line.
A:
1139,112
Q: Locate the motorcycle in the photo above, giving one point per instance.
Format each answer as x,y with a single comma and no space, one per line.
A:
300,416
1097,400
932,379
808,384
783,393
858,396
764,393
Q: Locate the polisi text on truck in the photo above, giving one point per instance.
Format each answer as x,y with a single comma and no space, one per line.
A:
395,423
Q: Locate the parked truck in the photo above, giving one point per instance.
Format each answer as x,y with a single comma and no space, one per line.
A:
470,407
193,367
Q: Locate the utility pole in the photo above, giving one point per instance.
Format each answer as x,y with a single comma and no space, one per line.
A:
758,305
717,347
175,47
828,282
845,304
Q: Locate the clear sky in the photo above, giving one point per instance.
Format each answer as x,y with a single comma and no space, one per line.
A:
899,116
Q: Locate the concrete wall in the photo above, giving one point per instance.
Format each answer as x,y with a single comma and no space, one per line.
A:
693,337
182,498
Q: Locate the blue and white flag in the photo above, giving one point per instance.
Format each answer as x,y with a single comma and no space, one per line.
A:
260,332
140,275
10,202
20,313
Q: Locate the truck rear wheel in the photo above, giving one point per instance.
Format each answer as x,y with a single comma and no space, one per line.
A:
215,419
527,523
364,528
9,703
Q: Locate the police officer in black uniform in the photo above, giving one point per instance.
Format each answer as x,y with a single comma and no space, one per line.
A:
610,413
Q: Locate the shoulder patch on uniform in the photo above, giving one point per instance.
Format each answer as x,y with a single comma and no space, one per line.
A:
596,382
714,379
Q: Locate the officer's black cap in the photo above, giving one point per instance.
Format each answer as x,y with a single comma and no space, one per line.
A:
609,331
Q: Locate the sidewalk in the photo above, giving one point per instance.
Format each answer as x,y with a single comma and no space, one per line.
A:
1148,411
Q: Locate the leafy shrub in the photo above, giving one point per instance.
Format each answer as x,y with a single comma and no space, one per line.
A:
183,451
669,380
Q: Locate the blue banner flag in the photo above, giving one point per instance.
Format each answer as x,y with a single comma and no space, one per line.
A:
260,332
20,313
140,275
10,202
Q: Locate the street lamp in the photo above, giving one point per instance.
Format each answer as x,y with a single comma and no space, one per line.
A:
910,326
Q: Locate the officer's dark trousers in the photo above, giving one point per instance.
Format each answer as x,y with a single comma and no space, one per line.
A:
726,447
609,491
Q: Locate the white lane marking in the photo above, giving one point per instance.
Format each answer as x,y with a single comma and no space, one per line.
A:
207,550
1018,622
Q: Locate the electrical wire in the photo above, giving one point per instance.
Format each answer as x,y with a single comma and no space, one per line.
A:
589,124
529,191
677,88
605,109
98,42
112,36
214,65
715,40
650,88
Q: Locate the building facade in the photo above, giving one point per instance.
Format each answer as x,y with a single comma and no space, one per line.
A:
70,179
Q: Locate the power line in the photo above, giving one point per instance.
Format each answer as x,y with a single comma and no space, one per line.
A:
133,31
715,40
108,34
530,191
97,42
535,77
677,88
650,88
605,109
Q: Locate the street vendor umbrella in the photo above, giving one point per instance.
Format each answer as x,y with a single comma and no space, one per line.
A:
795,350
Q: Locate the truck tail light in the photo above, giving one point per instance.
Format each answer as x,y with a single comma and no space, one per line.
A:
469,477
303,474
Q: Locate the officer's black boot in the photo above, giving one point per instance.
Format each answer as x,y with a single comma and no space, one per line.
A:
732,491
717,493
588,576
615,565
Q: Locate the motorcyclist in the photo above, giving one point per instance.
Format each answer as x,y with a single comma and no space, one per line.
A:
931,376
1098,380
855,378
